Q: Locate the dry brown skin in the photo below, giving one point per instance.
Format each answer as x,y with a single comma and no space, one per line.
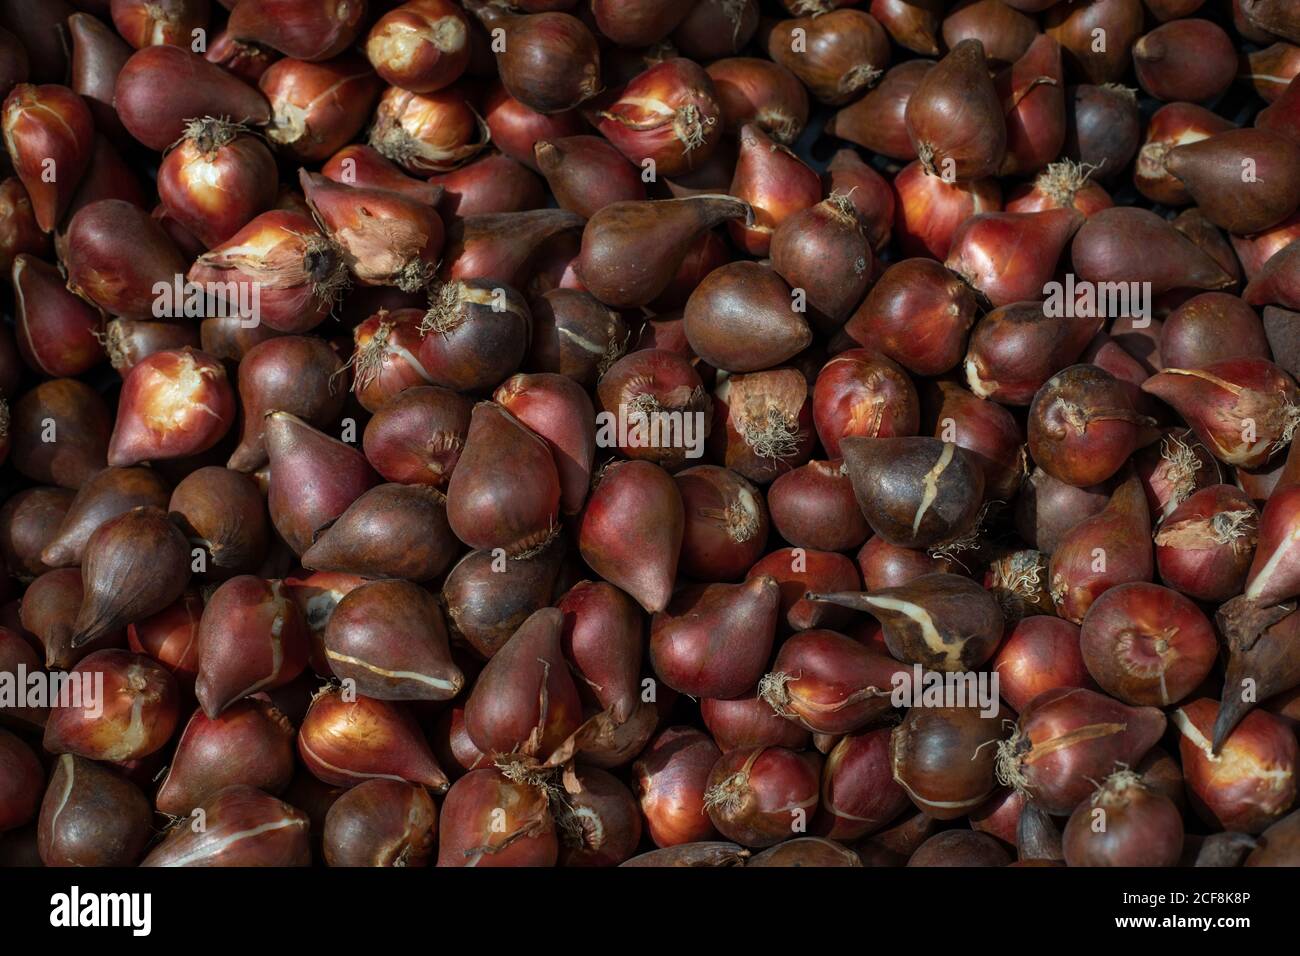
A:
427,552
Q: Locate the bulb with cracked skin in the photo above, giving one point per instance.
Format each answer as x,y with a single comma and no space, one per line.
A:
174,404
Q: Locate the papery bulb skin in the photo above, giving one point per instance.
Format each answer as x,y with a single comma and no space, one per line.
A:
476,333
134,565
1130,244
492,184
48,128
1074,28
420,46
1034,101
139,710
120,259
387,238
250,744
1276,282
318,108
668,116
558,409
49,609
244,60
222,512
813,506
1272,577
488,820
1014,350
586,173
986,430
98,54
174,404
1172,126
859,794
753,90
726,524
1262,662
754,794
418,435
129,342
944,757
1212,169
346,740
385,358
645,382
19,232
1142,826
92,817
1250,783
1187,59
1110,548
243,827
16,652
1061,185
859,393
1083,427
252,638
1147,645
381,823
599,822
1040,653
74,413
828,683
20,788
487,600
805,245
313,478
390,531
525,702
216,180
171,637
671,778
297,272
503,245
1066,736
1242,409
603,635
878,120
317,595
427,133
954,118
928,210
359,165
1205,545
389,638
1210,327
